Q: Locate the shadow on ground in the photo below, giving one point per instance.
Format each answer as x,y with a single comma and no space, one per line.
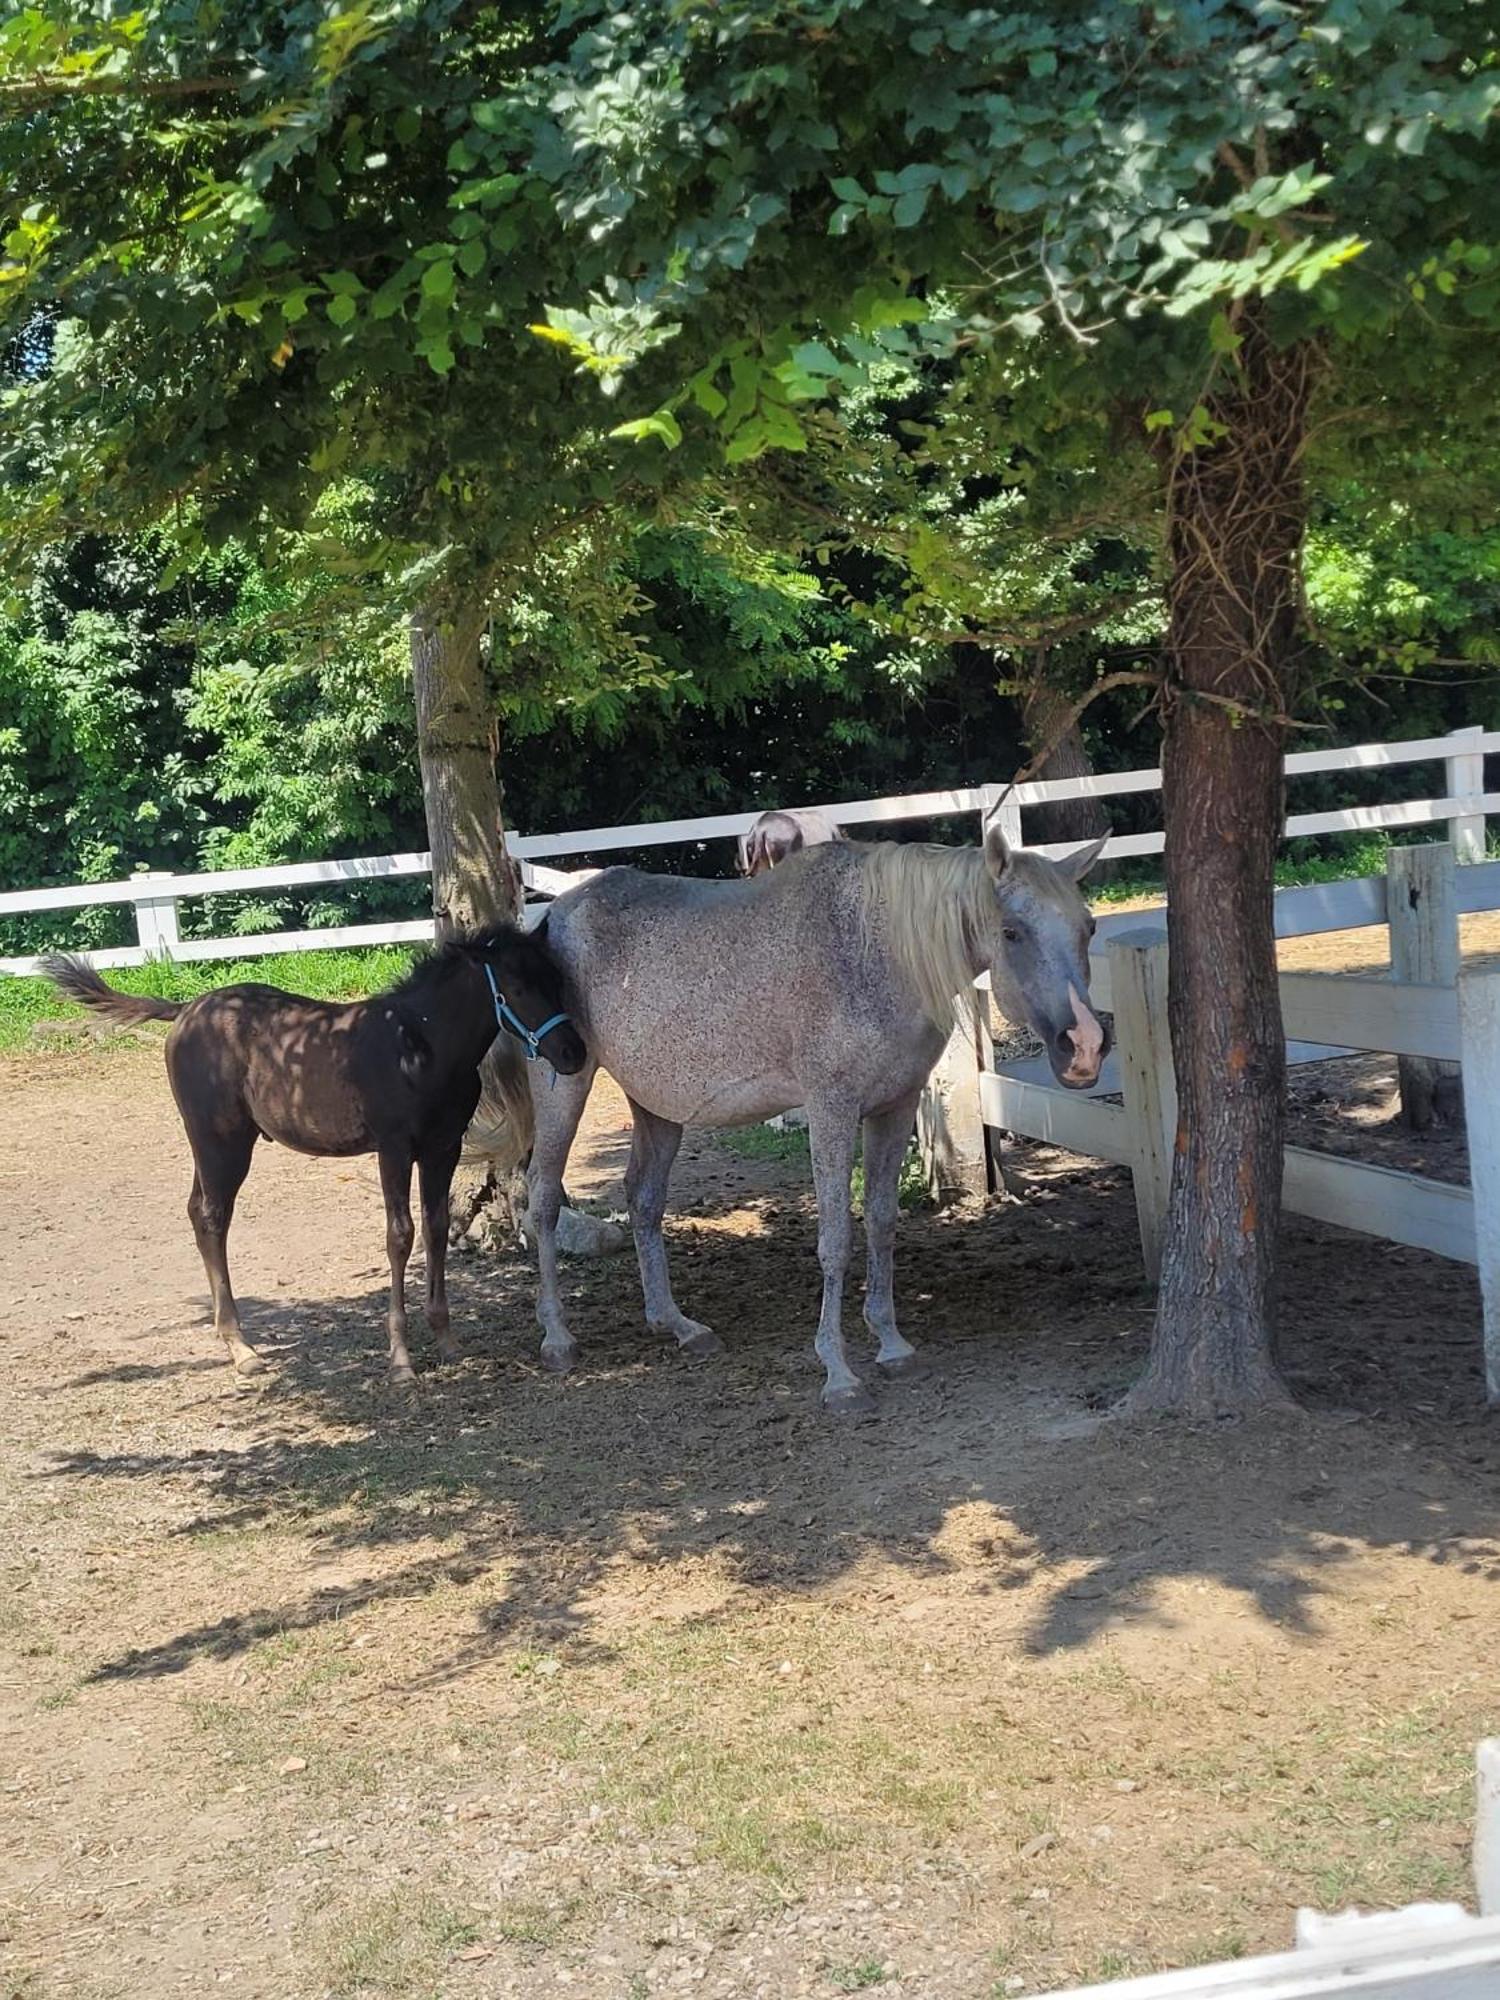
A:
1033,1320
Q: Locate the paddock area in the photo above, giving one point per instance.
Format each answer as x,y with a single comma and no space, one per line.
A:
654,1678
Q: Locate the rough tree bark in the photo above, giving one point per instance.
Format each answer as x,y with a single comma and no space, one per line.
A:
474,880
1237,513
1042,709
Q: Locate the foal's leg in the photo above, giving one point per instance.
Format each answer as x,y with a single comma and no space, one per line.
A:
887,1136
653,1148
434,1178
557,1114
395,1182
833,1129
219,1169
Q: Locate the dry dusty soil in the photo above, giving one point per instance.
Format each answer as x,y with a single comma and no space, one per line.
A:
654,1679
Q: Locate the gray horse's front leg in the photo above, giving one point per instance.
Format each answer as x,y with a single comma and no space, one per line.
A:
833,1129
653,1148
558,1111
887,1136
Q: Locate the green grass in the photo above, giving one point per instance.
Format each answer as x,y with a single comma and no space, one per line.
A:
763,1142
398,1943
320,975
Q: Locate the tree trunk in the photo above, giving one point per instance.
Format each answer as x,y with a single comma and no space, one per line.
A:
1042,709
1237,515
474,880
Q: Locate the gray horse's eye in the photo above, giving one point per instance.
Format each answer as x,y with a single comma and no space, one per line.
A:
1011,934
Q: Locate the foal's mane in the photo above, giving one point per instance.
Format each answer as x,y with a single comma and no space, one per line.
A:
932,908
436,967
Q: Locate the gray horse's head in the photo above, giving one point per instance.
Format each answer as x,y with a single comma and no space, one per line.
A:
1039,970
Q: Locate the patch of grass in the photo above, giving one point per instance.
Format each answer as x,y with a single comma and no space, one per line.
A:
395,1944
534,1925
764,1142
855,1978
319,975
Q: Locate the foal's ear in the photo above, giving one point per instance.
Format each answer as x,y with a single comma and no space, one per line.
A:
997,850
1078,865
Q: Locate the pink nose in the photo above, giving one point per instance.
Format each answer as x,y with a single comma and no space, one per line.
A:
1087,1037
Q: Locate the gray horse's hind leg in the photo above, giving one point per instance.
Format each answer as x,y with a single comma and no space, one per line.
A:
887,1136
833,1129
558,1111
653,1148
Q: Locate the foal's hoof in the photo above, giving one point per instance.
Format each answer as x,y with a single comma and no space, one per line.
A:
855,1402
903,1367
701,1342
560,1360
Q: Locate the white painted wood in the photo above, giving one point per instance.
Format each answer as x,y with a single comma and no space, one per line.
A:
1458,1964
264,944
219,882
1403,812
1465,776
1138,980
1333,906
1478,887
1487,1826
1370,756
1375,1201
156,920
1423,918
1085,1125
1360,1013
1479,1014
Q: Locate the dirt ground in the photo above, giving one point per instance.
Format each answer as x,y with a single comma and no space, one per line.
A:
653,1679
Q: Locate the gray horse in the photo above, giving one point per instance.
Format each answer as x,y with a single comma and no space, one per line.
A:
833,981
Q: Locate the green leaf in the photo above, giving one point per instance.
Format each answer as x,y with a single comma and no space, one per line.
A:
1159,420
342,309
661,424
472,256
438,280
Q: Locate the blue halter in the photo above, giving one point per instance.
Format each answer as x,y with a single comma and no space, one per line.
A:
507,1018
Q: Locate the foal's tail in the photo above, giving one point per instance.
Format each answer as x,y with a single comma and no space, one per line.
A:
77,980
504,1123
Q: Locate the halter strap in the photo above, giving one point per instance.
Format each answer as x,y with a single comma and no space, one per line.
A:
507,1018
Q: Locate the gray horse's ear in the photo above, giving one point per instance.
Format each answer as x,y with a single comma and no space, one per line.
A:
1078,865
997,850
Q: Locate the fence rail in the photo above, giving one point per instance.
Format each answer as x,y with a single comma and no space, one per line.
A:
1323,1014
1462,803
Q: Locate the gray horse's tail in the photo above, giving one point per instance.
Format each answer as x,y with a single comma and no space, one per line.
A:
504,1123
77,980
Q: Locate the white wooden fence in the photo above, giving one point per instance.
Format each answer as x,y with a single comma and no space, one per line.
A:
1429,1951
1461,802
1325,1014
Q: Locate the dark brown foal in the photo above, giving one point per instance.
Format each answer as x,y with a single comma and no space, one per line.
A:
397,1075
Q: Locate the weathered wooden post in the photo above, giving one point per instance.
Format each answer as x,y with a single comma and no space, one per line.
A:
1465,780
1479,1052
1422,911
1138,988
952,1137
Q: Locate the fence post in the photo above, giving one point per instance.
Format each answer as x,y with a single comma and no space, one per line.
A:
952,1137
156,919
1466,780
1421,899
1138,984
1487,1827
1479,1049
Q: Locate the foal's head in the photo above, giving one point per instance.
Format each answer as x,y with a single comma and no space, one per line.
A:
1039,968
524,986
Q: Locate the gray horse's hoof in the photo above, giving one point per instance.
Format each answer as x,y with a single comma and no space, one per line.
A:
855,1402
559,1360
401,1376
903,1367
248,1364
702,1343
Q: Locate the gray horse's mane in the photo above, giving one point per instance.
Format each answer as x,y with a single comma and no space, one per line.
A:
934,909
